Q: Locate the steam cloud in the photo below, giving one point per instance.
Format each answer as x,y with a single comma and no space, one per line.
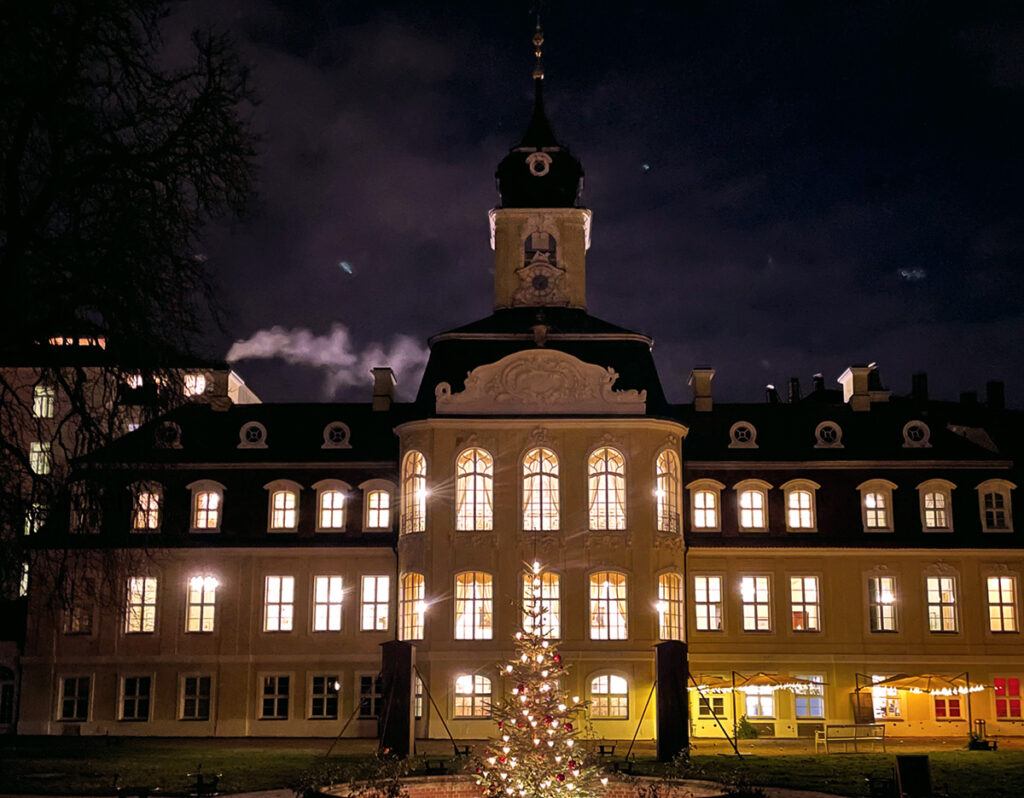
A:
336,354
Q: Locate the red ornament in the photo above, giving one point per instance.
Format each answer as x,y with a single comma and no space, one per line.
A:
557,658
520,687
519,725
568,727
547,720
560,777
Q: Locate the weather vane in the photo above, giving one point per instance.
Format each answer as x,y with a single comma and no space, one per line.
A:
538,44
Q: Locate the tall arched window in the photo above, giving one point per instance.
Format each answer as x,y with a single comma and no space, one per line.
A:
474,491
670,606
607,470
608,609
411,607
668,491
542,603
609,697
540,491
474,606
414,492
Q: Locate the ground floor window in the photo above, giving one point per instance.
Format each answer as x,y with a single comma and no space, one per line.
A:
370,697
760,702
135,692
1007,692
609,697
324,700
947,708
811,702
472,696
74,698
886,700
275,698
712,706
418,697
195,698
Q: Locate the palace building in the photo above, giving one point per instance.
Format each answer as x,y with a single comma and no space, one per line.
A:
836,537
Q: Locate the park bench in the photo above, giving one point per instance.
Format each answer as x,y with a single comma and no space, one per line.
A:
857,735
606,749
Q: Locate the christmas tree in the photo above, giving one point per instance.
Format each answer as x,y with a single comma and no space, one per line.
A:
535,752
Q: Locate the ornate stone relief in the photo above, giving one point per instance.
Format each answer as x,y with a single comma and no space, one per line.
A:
616,539
668,540
942,567
540,381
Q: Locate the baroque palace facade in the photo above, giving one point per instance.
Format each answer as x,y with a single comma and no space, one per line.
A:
840,537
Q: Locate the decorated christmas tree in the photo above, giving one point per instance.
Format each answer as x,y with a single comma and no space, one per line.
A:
535,753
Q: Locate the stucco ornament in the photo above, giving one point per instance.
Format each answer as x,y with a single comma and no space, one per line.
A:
540,381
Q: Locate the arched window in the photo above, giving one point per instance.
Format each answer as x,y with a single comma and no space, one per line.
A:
412,607
668,491
474,491
752,498
670,606
608,608
876,505
414,492
207,505
474,606
607,470
331,504
705,505
996,505
377,503
284,505
936,497
540,491
609,697
801,513
542,603
472,696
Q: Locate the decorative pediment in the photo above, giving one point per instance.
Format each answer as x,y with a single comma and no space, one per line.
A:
540,381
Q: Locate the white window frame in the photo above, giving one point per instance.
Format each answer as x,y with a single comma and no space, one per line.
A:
753,487
803,702
414,492
756,594
705,486
543,587
147,507
376,487
140,615
43,399
1001,602
374,699
283,487
609,696
278,603
377,610
276,696
883,488
937,589
471,696
40,457
412,606
667,470
893,603
62,696
930,510
184,697
474,490
542,508
671,617
123,697
708,586
801,591
997,487
328,603
609,605
200,488
331,692
606,489
801,487
759,702
333,489
474,595
887,703
206,606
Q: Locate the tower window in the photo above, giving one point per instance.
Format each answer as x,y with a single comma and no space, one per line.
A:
607,481
474,491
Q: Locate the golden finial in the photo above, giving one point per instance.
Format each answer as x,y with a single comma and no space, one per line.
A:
538,44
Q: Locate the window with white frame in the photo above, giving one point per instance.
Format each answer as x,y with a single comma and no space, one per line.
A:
195,697
74,698
412,607
327,602
1007,697
805,603
323,699
995,504
331,495
609,612
39,457
474,491
207,505
935,496
42,401
414,492
607,487
135,695
274,697
882,603
670,606
667,491
194,385
472,696
417,697
542,602
752,504
876,505
377,503
474,606
941,597
140,605
541,501
284,506
801,511
1002,603
707,603
201,603
705,505
710,706
609,697
885,700
759,701
146,499
947,707
374,603
809,703
371,696
279,603
755,591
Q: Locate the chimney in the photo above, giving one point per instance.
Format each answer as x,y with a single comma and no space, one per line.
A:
771,396
855,387
383,388
700,381
794,389
818,381
969,398
919,387
995,395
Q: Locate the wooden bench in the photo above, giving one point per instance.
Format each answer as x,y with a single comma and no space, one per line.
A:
606,749
849,734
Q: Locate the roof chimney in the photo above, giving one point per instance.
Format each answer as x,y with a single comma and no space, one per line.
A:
818,381
700,381
794,389
919,387
383,387
995,395
771,396
862,385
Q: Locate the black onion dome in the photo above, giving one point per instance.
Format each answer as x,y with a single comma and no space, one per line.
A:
539,172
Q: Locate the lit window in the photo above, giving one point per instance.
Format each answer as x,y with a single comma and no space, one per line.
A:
474,491
207,505
707,603
540,491
608,610
704,505
374,603
541,601
947,708
609,697
936,505
801,513
473,606
752,501
882,603
146,507
323,703
284,509
74,698
135,692
941,595
279,604
756,594
195,698
140,605
1002,603
274,698
133,381
607,469
194,384
330,504
35,518
371,696
810,703
805,603
667,477
414,492
885,700
377,502
42,401
996,508
417,710
1007,694
201,604
412,605
876,505
670,607
760,701
327,600
39,459
472,696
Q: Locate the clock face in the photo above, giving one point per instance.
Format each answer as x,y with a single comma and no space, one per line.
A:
539,163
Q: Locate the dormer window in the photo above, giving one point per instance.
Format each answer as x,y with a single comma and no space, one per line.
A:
194,385
742,435
995,505
377,504
916,435
876,505
801,510
284,505
252,435
828,435
331,501
336,435
936,505
146,500
752,505
207,505
705,505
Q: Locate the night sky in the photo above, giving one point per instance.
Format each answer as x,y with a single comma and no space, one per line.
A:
777,188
